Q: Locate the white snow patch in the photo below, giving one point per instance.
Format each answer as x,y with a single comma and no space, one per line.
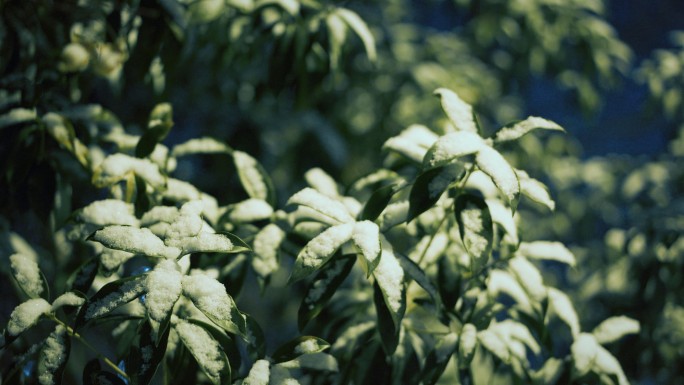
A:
453,145
109,212
367,238
459,112
324,245
52,356
204,348
320,285
281,376
166,214
111,259
26,315
394,214
266,244
390,278
521,128
135,240
321,203
27,274
306,346
548,250
163,289
248,168
502,282
202,242
529,277
67,299
204,145
181,191
209,295
413,142
492,163
115,167
188,223
321,181
314,361
250,210
258,374
128,291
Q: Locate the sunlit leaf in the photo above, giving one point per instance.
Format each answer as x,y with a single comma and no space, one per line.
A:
416,273
361,29
300,346
206,350
535,190
212,299
614,328
492,163
438,358
254,178
459,112
467,342
452,146
313,361
17,116
266,244
430,185
377,202
321,203
389,298
561,306
584,351
134,240
320,249
475,226
500,281
516,130
321,181
204,145
413,142
366,238
553,251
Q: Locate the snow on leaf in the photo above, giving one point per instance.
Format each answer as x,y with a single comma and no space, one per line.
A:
188,223
313,361
366,238
481,182
430,185
181,191
258,374
361,29
253,177
475,227
467,342
134,240
507,339
451,146
212,299
322,288
500,281
67,299
559,304
281,376
321,203
163,285
109,212
321,181
112,259
205,243
17,115
166,214
266,244
116,167
535,190
206,350
606,363
204,145
554,251
53,357
529,277
584,351
26,315
250,210
516,130
492,163
413,142
320,249
503,216
390,278
113,295
394,214
27,274
459,112
614,328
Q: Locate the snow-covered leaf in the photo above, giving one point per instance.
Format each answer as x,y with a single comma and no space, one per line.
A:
208,243
212,299
606,363
438,358
614,328
553,251
119,166
535,190
529,277
300,346
320,249
430,185
467,342
503,216
322,182
475,227
206,350
69,298
254,337
492,163
389,298
377,202
413,142
313,361
163,287
143,361
459,112
321,203
508,339
108,212
394,214
366,238
111,296
250,210
361,29
322,288
584,350
254,178
259,374
452,146
134,240
266,244
26,315
561,306
500,281
16,116
27,274
204,145
516,130
53,357
416,273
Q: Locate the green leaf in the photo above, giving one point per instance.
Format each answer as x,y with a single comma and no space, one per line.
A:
438,358
142,201
561,306
413,142
430,185
361,29
389,331
206,350
204,145
320,249
254,336
467,342
366,238
299,346
17,116
584,351
106,378
266,245
500,281
389,298
313,361
515,130
291,6
417,274
228,345
323,204
83,277
53,357
448,281
212,299
459,112
377,202
144,360
535,190
322,288
111,296
492,163
134,240
553,251
254,178
452,146
476,228
614,328
322,182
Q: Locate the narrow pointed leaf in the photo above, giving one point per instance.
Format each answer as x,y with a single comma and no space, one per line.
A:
476,228
163,287
254,336
200,146
584,351
535,190
53,356
266,245
492,163
467,342
299,346
561,306
377,202
209,243
366,238
212,299
322,288
452,146
438,358
145,359
502,282
111,296
614,328
207,352
389,298
134,240
321,181
413,142
459,112
254,178
313,361
430,185
27,275
388,330
516,130
361,29
320,249
416,273
321,203
552,251
68,299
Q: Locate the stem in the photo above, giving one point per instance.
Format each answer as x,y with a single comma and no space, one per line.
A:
99,355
